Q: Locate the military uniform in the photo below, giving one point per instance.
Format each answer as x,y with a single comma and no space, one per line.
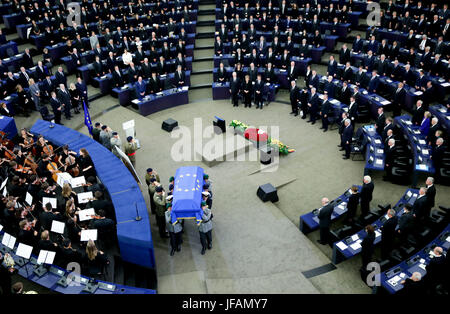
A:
130,150
160,209
148,176
116,142
174,231
205,229
151,192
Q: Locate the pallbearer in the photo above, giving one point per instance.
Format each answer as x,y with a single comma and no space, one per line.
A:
205,228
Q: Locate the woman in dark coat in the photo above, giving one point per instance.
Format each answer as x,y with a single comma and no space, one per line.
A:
87,168
74,97
247,91
367,246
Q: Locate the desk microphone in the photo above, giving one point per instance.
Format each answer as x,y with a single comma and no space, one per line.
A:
138,218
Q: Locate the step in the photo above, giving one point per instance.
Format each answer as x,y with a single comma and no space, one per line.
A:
204,71
203,54
205,23
201,79
206,18
204,35
210,12
205,29
201,65
199,86
206,6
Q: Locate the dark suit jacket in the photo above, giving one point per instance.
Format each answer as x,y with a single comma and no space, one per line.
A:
235,85
325,216
420,208
366,192
430,195
388,230
60,79
406,223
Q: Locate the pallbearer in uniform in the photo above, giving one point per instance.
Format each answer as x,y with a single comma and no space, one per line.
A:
130,149
151,174
205,228
160,203
174,231
151,191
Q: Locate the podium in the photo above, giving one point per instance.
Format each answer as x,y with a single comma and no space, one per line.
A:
169,124
219,125
267,192
265,155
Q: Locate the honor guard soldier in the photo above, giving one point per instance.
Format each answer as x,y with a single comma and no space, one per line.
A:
160,207
130,149
151,191
207,199
205,228
151,174
175,231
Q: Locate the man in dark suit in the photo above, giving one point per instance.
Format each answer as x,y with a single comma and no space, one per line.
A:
420,207
373,83
347,73
235,87
325,112
294,97
332,66
24,77
344,93
98,67
347,135
313,104
390,155
41,72
258,89
436,270
180,77
314,81
388,126
418,113
405,223
344,54
117,77
398,100
27,59
154,84
292,73
357,44
366,195
64,99
431,137
388,234
361,77
381,121
437,156
324,216
60,77
353,110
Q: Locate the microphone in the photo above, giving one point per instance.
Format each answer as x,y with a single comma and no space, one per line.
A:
138,218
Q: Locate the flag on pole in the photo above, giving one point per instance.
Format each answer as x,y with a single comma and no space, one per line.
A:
87,118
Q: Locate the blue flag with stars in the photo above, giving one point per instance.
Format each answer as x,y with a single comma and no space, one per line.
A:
87,118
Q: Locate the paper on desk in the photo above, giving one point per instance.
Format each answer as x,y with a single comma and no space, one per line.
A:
448,238
422,167
78,181
90,234
355,237
29,199
422,142
335,101
377,141
58,226
4,183
423,266
418,93
1,227
63,178
377,233
24,251
342,246
135,101
355,246
46,257
422,261
380,151
185,88
379,162
385,102
84,197
446,84
402,275
86,214
50,200
5,239
425,151
409,193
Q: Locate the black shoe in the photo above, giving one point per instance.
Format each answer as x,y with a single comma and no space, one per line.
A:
309,121
67,118
341,149
345,157
322,128
179,248
339,146
292,112
325,130
203,251
209,246
172,252
164,236
320,242
314,122
295,114
304,117
261,107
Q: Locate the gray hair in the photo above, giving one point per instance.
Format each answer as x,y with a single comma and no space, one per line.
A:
368,179
431,179
417,275
391,212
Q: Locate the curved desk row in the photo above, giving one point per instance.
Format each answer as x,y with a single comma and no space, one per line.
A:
310,222
134,237
351,245
421,150
443,114
55,278
375,156
391,279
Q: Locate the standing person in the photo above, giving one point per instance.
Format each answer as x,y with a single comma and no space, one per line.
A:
325,221
151,191
366,195
259,89
390,153
64,99
105,136
294,97
116,141
347,135
160,207
325,112
205,228
130,149
57,107
75,98
367,246
174,231
247,90
431,193
35,93
152,174
388,234
96,131
235,89
82,90
352,204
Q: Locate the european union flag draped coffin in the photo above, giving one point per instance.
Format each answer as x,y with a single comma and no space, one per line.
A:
187,194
